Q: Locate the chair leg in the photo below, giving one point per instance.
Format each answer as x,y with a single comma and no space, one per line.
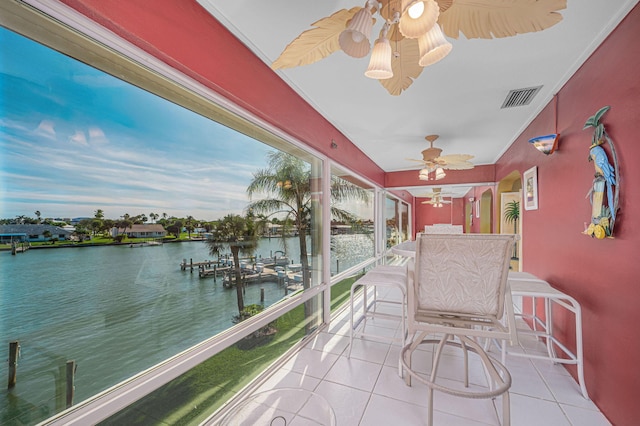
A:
409,353
430,402
438,354
434,372
549,328
506,409
466,364
498,376
579,353
351,320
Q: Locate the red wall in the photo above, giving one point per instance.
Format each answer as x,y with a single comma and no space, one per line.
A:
476,193
603,275
426,214
482,173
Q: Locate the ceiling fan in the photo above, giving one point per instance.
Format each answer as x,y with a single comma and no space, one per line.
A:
432,159
413,33
437,199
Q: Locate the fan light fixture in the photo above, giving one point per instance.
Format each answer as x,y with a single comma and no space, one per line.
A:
434,163
436,173
414,19
413,33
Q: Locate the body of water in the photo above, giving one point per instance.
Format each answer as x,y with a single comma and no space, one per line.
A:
116,311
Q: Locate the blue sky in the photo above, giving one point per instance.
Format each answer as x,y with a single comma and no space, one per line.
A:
74,139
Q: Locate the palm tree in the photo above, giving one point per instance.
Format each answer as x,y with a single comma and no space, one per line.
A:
239,234
189,226
287,183
512,214
125,223
38,214
96,224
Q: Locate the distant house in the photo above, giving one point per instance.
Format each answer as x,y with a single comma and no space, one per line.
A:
337,229
32,233
154,230
77,220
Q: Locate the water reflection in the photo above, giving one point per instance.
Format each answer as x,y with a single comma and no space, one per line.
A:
116,311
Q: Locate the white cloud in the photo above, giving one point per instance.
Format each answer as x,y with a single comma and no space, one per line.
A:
78,138
46,128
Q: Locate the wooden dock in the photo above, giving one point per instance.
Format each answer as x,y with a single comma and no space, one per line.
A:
253,270
184,265
213,272
19,248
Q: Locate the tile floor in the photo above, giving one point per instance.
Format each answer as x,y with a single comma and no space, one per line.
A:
366,390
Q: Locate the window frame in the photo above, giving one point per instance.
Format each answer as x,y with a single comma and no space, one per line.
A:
63,29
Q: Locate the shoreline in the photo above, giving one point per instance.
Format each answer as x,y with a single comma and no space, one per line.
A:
66,245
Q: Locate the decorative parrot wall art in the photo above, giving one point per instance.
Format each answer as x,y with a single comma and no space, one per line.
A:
606,180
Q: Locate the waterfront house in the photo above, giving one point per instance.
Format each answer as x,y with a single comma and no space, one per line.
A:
32,233
181,44
154,230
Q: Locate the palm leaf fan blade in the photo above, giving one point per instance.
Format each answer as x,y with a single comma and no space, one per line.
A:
458,166
455,162
500,18
404,64
317,43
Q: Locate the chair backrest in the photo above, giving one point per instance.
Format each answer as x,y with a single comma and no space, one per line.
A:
462,274
443,228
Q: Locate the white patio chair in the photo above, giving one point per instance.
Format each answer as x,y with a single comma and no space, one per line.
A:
455,296
391,277
443,228
524,284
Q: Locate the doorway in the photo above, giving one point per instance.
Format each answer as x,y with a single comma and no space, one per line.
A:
510,210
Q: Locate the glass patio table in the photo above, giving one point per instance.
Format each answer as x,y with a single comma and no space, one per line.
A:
282,407
406,249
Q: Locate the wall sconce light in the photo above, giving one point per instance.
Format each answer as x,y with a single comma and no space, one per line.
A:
547,144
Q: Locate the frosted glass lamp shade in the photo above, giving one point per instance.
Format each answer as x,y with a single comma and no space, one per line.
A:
411,27
380,63
433,46
354,40
440,173
424,174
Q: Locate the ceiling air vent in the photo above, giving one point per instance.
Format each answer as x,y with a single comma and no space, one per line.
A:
520,97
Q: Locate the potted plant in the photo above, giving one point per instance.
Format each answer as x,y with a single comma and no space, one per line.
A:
512,214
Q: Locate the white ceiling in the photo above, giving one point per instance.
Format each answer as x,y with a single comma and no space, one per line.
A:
458,98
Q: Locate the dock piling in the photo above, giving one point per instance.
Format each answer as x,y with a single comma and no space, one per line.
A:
14,352
71,381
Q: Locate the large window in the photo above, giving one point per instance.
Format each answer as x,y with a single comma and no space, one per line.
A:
352,221
396,213
142,189
159,237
